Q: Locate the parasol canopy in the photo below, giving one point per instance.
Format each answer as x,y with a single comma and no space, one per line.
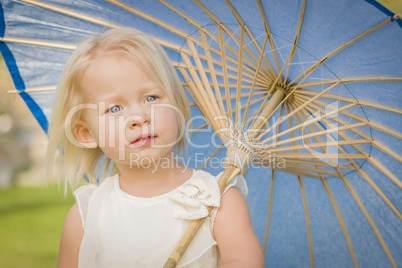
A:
308,92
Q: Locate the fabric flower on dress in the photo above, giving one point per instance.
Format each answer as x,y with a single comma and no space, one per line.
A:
193,197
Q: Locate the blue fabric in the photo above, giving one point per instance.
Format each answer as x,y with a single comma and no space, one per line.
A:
20,86
2,22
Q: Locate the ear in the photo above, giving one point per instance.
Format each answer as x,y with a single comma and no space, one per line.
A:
84,136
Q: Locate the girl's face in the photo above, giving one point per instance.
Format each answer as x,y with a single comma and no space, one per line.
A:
134,122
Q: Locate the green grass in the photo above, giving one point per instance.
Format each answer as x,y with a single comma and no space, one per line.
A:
31,221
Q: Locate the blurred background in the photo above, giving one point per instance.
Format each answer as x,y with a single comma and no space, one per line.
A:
32,212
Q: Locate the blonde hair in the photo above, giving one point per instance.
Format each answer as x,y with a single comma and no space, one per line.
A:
75,161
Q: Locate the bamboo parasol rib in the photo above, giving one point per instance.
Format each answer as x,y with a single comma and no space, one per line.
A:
346,80
217,21
251,36
333,203
371,222
43,43
349,100
369,180
345,45
362,134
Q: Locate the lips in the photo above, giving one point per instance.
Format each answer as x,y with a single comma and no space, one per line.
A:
143,140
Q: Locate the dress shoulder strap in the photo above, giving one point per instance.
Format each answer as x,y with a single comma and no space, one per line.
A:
239,183
82,196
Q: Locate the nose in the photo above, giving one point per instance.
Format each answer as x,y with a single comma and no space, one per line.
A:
137,115
136,121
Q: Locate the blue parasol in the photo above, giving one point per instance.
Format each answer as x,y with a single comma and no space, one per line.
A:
324,166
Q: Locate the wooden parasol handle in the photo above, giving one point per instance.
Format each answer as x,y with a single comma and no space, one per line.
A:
195,225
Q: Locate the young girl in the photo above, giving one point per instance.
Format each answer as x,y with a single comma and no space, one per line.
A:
121,106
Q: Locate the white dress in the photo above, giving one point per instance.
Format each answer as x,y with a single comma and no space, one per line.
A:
121,230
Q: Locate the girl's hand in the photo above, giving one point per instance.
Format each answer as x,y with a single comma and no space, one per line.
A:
237,242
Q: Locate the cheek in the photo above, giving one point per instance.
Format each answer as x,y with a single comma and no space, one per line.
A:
166,121
108,131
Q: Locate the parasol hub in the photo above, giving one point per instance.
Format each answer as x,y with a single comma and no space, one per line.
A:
284,86
241,151
238,156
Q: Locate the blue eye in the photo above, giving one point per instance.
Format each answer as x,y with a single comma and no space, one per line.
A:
150,98
115,109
